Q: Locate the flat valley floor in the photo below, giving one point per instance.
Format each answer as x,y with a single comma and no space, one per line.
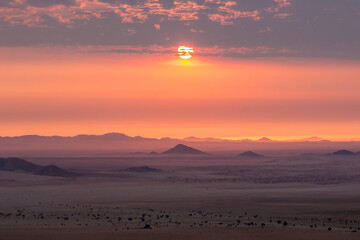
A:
302,197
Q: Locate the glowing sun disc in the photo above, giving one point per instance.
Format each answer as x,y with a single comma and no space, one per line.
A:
185,52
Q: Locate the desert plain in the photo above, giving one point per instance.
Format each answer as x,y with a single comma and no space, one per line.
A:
155,196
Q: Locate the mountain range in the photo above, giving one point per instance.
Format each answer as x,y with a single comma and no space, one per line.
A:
118,143
122,137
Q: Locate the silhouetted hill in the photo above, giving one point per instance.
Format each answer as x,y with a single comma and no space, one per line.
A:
142,169
344,153
17,164
250,154
264,140
312,139
183,149
12,164
55,171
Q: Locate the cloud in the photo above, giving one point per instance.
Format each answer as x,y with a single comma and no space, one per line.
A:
46,3
325,28
267,29
281,15
279,9
214,51
157,26
196,31
4,3
18,16
80,12
182,10
131,32
260,51
226,14
70,12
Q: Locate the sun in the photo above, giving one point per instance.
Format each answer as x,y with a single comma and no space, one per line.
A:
185,52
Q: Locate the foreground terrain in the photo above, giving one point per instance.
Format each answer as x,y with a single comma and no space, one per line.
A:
183,197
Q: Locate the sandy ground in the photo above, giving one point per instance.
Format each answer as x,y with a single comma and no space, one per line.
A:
174,234
287,198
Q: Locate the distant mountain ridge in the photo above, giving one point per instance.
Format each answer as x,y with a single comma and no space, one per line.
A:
119,143
114,136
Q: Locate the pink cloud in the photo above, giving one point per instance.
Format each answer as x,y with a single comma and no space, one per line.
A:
131,32
268,29
21,13
17,16
196,31
84,10
182,10
281,15
278,10
226,14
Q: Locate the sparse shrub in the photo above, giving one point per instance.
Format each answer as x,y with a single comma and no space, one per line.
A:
147,226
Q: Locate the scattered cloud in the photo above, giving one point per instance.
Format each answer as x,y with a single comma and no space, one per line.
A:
182,10
157,26
325,29
33,13
279,10
267,29
131,32
196,31
226,14
281,15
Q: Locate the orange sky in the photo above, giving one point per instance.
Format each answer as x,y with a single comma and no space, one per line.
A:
58,92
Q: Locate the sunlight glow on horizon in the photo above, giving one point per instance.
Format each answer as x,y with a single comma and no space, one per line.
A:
60,93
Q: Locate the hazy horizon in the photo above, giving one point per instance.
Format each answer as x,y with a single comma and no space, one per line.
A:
209,138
